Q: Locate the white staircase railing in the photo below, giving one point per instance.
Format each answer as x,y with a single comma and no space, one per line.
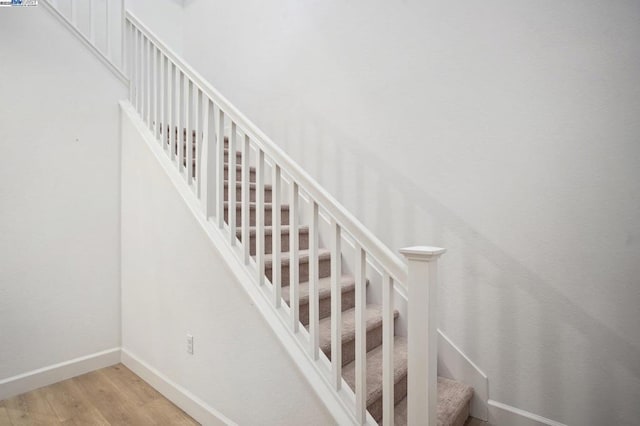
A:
168,94
181,108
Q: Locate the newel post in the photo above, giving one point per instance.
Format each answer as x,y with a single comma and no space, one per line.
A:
422,284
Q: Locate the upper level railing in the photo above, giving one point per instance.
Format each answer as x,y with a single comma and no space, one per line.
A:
99,24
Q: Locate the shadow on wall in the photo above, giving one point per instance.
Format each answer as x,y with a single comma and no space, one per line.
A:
532,320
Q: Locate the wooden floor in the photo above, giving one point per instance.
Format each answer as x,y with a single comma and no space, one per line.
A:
111,396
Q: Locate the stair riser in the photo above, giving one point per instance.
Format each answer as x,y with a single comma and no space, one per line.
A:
252,217
252,194
193,153
252,174
399,392
348,302
374,339
238,157
324,270
303,243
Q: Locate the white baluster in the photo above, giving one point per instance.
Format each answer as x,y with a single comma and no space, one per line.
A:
361,333
170,108
294,259
197,110
123,19
74,13
131,69
336,306
314,303
388,381
92,23
179,117
141,88
208,162
260,215
231,198
156,94
162,125
143,77
246,198
107,26
138,65
276,236
422,354
220,170
188,141
147,76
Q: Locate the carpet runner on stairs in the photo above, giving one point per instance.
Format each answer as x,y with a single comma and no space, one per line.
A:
453,397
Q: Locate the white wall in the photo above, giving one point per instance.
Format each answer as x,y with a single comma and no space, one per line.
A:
59,196
164,17
507,132
175,283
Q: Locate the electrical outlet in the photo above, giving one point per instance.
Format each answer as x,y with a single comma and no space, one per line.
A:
189,344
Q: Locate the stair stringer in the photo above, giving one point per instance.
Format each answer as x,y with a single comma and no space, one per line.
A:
338,403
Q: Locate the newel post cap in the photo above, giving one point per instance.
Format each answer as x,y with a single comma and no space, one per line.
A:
422,253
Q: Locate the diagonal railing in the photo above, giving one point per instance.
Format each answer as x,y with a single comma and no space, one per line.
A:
201,132
227,161
101,29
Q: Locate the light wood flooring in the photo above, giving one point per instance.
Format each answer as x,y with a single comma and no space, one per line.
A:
110,396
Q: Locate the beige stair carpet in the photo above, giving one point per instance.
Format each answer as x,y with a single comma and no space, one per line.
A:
453,397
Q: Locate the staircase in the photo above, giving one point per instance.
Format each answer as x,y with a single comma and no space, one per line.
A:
314,265
453,397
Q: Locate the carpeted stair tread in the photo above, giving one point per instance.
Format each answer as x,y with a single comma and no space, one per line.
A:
374,370
453,397
252,185
453,404
303,256
347,283
253,191
226,154
374,320
252,206
239,168
268,230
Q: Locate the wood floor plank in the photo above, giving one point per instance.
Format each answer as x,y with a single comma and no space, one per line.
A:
24,418
31,402
110,396
111,404
163,412
68,402
4,416
30,408
132,387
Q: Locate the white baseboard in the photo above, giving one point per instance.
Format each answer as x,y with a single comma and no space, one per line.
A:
191,404
454,364
505,415
45,376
